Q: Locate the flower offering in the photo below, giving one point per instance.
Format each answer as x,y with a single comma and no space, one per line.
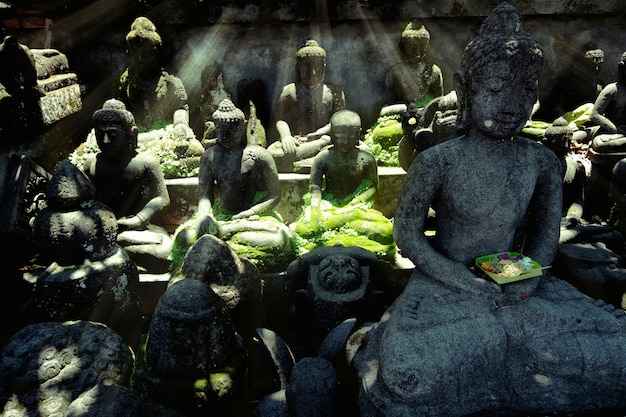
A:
508,267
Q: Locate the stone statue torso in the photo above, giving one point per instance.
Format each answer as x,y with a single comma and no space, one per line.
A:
239,174
307,109
490,173
127,187
409,84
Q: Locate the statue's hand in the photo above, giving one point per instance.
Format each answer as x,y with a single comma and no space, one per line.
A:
520,290
244,214
131,223
207,225
289,144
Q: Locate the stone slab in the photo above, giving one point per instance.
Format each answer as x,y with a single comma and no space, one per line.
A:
60,103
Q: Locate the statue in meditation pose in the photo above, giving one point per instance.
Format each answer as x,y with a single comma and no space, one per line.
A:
131,183
303,110
416,78
454,343
344,179
150,92
245,175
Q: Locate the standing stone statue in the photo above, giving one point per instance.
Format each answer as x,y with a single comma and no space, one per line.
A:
131,183
303,110
456,344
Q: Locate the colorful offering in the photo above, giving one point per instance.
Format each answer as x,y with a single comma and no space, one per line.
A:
508,267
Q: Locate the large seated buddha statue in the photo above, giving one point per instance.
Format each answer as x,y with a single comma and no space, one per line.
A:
456,343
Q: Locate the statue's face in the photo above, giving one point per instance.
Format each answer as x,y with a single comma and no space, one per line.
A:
501,99
144,56
339,274
311,70
231,135
414,49
112,139
345,137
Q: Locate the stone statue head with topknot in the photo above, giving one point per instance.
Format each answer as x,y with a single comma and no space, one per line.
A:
114,113
311,64
503,54
144,45
230,123
414,41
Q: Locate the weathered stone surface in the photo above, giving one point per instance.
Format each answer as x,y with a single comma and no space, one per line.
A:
46,366
453,343
114,401
594,269
233,278
60,103
195,362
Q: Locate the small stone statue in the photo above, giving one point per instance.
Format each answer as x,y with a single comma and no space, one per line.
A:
88,276
195,362
334,284
45,367
416,79
303,111
131,183
454,343
152,94
235,279
577,84
245,176
609,112
349,176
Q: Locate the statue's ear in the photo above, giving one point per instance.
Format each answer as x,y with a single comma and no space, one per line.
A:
134,135
461,88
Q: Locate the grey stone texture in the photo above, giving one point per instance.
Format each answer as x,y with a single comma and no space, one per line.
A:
45,367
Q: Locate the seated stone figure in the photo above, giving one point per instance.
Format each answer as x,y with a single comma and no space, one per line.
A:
245,176
159,103
453,343
416,79
151,93
344,179
303,111
131,183
609,113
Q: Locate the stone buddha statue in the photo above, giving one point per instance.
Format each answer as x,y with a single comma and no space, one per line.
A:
303,110
416,78
244,176
151,93
131,183
88,276
455,343
344,179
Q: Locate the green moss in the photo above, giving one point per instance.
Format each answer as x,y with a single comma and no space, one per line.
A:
265,258
383,138
355,225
